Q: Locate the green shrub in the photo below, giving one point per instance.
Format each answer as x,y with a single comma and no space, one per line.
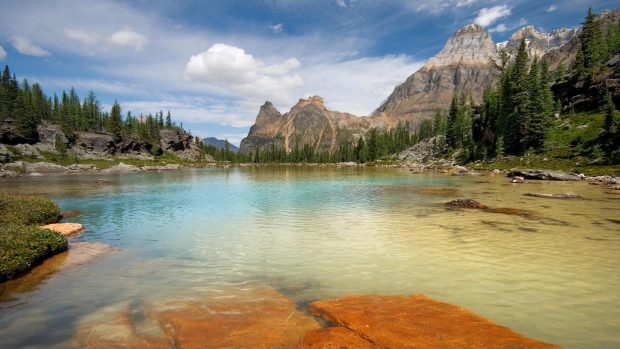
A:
27,210
22,247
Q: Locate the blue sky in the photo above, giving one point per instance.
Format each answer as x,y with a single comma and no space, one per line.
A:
213,63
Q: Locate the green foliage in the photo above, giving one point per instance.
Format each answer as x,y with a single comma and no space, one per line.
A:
27,210
22,247
22,243
593,49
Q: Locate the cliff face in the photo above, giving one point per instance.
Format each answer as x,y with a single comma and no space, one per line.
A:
465,64
308,122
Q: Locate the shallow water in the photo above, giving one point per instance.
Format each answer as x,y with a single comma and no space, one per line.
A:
323,232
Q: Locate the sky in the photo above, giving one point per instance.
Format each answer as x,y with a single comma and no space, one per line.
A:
214,63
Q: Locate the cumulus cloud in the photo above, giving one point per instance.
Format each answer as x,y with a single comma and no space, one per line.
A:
129,38
233,69
341,3
81,36
552,8
487,16
26,47
2,53
277,28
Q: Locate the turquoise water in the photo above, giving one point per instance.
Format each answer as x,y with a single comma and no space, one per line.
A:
324,232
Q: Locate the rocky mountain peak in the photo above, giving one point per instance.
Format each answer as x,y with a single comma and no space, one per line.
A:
539,43
313,100
470,45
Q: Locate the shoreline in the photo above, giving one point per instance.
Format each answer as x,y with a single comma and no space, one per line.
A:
21,169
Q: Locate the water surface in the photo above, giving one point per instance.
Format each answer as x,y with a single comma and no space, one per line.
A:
325,232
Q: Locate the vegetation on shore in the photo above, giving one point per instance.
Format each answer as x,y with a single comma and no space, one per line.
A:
22,243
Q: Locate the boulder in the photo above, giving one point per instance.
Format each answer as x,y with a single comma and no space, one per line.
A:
179,143
544,175
418,322
122,167
466,203
49,133
44,167
95,142
5,154
335,337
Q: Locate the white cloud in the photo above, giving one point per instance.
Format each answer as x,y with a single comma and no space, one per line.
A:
487,16
81,36
129,38
2,53
552,8
26,47
277,28
500,28
238,72
341,3
462,3
522,21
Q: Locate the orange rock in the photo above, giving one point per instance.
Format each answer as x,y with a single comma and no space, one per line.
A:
255,318
513,211
65,229
335,337
419,322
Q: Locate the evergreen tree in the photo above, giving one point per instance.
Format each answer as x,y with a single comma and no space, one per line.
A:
450,127
536,128
168,120
115,126
519,118
609,136
592,50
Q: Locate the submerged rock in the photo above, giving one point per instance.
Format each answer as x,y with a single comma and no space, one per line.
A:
416,322
466,203
554,196
70,213
512,211
335,337
258,317
544,175
436,191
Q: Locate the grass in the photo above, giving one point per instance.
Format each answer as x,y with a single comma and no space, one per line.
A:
22,243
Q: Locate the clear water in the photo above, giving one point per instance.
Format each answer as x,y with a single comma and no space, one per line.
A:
335,232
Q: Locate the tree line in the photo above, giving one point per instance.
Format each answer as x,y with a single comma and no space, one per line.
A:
26,106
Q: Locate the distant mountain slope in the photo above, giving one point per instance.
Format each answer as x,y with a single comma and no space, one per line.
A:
219,143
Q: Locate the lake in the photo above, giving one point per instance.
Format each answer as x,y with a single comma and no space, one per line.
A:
314,233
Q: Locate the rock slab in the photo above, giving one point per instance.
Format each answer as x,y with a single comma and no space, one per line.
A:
418,322
65,229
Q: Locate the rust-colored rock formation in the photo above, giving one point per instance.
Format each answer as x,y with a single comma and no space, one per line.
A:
417,322
436,191
247,318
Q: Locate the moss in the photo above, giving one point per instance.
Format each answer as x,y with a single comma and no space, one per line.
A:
26,210
23,244
22,247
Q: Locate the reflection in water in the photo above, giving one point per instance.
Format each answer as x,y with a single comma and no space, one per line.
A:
313,233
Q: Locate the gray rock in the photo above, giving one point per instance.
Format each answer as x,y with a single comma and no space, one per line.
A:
122,167
544,175
16,166
424,151
161,168
49,133
8,173
179,143
5,154
44,167
97,142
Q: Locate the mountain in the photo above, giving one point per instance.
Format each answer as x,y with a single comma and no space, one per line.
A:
307,123
219,144
538,43
465,64
468,63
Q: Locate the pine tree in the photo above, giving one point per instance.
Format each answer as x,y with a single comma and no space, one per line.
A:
518,120
536,129
115,127
592,49
168,120
608,136
451,123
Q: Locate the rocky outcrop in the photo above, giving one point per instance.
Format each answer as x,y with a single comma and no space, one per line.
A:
415,322
94,146
180,143
544,175
466,64
50,133
424,151
307,123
